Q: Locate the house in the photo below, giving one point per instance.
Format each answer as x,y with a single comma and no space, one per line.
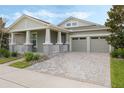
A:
73,34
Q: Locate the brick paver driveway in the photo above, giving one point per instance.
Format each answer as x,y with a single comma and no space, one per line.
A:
87,67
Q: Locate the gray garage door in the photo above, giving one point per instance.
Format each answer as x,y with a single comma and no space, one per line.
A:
99,44
79,44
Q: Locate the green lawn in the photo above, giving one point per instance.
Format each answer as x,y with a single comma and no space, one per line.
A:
117,73
20,64
5,60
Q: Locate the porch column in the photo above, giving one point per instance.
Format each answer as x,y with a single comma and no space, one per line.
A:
47,46
48,37
59,38
28,38
28,44
88,44
67,38
12,39
12,43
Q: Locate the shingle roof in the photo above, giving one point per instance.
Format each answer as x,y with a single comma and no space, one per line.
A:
38,19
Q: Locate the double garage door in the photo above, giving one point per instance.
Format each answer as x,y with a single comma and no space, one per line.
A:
97,44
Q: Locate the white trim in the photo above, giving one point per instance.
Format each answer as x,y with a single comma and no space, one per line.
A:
88,44
12,39
89,35
76,31
28,38
67,38
47,37
70,43
110,48
59,38
35,28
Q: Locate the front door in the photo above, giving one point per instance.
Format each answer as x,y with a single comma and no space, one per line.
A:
34,41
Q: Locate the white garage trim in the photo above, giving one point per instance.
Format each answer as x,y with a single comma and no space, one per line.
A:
110,48
88,44
88,40
90,35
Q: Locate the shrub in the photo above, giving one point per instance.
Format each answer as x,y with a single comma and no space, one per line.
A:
14,54
6,53
114,53
36,57
120,52
1,52
29,56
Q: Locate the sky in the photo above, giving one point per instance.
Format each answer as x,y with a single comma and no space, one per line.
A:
55,13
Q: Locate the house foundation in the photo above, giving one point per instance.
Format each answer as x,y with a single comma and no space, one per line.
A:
55,49
12,48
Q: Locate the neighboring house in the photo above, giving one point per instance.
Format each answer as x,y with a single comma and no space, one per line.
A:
73,34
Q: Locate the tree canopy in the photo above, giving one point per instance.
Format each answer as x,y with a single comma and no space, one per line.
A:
116,24
3,35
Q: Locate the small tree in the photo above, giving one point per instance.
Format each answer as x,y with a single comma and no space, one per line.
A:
3,35
116,24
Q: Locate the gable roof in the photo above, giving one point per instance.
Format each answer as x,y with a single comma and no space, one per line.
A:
37,19
40,21
27,16
81,20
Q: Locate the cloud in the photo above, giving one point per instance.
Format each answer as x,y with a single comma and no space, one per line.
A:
16,15
42,13
48,15
81,15
52,16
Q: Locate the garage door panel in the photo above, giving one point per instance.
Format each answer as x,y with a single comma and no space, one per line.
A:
99,45
79,44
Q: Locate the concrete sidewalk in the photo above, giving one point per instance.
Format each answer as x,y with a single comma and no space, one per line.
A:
13,77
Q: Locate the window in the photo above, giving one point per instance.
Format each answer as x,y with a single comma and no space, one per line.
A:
102,37
94,37
34,40
68,24
74,24
75,38
81,38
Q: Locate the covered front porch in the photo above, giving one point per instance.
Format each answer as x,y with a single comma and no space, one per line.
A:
48,41
31,34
